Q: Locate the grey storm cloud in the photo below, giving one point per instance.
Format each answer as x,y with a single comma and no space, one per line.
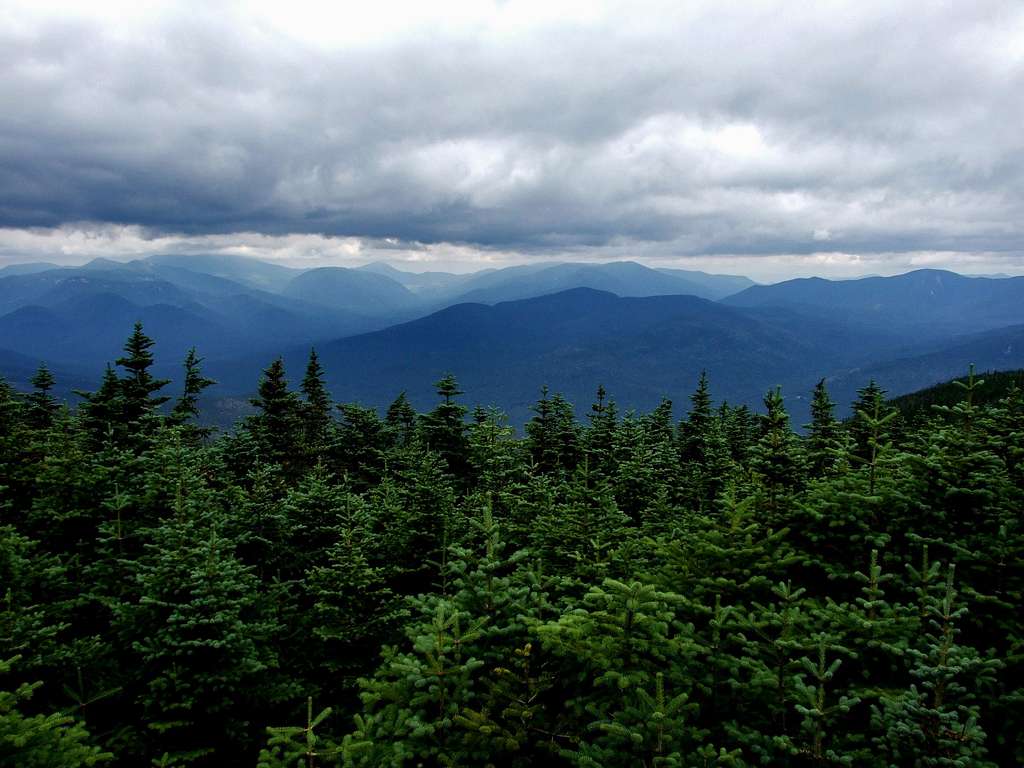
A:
744,128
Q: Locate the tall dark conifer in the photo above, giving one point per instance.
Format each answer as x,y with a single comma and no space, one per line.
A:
186,408
823,433
698,421
600,438
41,404
444,428
316,411
401,420
278,425
775,457
102,413
138,385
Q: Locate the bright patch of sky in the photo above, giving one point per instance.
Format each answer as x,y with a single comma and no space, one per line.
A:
766,138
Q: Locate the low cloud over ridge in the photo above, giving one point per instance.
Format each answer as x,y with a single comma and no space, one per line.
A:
715,130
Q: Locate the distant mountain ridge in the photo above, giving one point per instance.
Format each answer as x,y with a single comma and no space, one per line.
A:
359,291
623,278
931,301
642,332
640,348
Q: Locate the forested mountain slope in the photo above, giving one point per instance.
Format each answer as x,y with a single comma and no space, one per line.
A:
693,585
1000,349
642,348
72,317
927,301
921,404
909,331
624,278
366,293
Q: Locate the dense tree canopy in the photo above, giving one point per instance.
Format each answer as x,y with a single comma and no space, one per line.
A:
327,586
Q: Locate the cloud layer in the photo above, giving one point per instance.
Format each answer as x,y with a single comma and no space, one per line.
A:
668,131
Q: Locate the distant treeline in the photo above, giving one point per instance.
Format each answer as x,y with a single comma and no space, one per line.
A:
329,586
998,384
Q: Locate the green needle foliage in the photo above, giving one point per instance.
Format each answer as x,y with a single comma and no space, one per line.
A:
625,589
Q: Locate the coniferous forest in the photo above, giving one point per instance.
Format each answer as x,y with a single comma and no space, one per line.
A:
700,585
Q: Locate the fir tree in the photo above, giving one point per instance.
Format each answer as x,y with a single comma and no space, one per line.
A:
775,459
186,408
50,740
401,420
316,411
103,412
601,437
936,721
361,445
299,746
693,432
354,610
41,405
278,425
444,428
870,430
552,435
198,633
138,385
823,437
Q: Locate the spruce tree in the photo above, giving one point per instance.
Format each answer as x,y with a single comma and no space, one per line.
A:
694,430
824,736
53,740
138,385
401,420
444,428
613,652
278,425
412,702
103,412
41,405
873,421
186,407
553,436
300,746
823,434
316,411
936,721
198,635
601,436
776,460
361,445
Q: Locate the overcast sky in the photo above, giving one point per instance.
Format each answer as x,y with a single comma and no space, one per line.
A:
771,139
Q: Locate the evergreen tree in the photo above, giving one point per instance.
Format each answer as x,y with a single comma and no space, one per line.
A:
103,412
775,459
41,405
872,423
299,746
414,699
198,635
824,737
823,436
43,740
444,428
870,430
316,411
628,592
936,721
278,425
401,420
601,437
138,385
186,408
693,433
361,445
